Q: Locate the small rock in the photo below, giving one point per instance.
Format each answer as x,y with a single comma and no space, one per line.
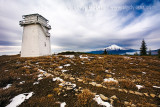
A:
152,95
112,88
126,103
133,105
138,93
146,94
93,83
104,87
132,92
69,88
65,95
50,95
76,90
103,97
120,90
59,93
99,85
111,101
80,80
114,97
159,96
124,90
71,78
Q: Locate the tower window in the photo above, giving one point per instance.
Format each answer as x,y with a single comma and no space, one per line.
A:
45,44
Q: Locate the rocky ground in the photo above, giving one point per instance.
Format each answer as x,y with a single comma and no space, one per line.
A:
81,80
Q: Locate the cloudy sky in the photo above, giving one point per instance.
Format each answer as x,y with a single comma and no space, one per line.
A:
82,25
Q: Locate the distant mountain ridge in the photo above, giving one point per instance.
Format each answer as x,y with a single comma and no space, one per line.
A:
118,50
115,49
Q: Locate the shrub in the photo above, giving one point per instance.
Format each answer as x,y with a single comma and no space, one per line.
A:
110,83
84,98
99,78
127,84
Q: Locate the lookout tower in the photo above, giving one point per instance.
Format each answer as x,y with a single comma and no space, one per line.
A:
36,38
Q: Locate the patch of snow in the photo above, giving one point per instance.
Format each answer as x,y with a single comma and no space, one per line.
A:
107,71
37,63
114,47
40,78
139,86
156,86
57,79
63,104
131,63
40,70
69,56
100,57
126,57
36,83
27,66
64,70
143,72
82,63
17,100
60,67
40,75
68,84
101,102
66,65
86,57
6,70
8,86
110,79
22,82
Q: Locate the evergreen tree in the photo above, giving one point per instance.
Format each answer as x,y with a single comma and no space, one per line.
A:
136,54
105,51
143,49
149,53
159,53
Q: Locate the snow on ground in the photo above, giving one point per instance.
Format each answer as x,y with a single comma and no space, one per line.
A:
107,71
22,82
36,83
86,57
6,70
110,80
101,102
8,86
17,100
43,73
66,65
63,104
139,86
57,79
69,56
40,70
60,67
64,70
156,86
143,72
40,76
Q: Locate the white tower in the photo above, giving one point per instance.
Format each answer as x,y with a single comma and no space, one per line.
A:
36,38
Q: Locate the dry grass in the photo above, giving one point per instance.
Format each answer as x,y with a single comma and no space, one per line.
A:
127,84
84,98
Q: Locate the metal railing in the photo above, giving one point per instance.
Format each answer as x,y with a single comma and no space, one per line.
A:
26,22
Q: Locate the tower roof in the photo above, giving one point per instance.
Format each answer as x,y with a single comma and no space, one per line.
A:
36,14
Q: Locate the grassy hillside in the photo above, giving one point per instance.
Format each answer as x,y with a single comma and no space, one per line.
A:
85,80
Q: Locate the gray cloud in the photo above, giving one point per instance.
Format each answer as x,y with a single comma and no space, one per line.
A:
82,24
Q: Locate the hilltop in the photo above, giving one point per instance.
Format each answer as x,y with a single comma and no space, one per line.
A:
81,80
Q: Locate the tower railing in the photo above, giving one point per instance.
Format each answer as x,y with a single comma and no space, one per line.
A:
27,22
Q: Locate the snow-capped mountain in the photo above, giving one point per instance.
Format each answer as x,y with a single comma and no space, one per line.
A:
114,47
